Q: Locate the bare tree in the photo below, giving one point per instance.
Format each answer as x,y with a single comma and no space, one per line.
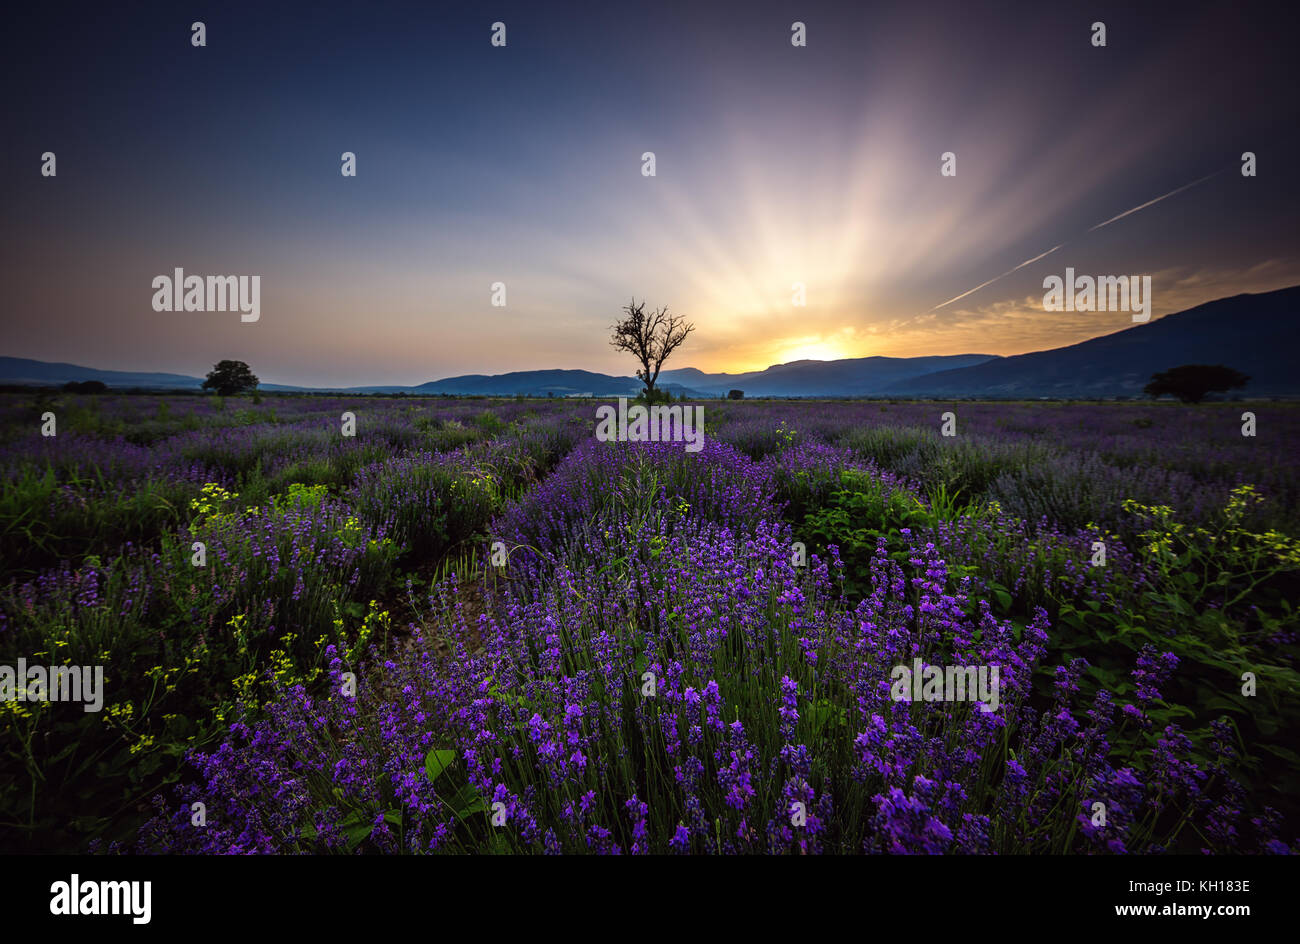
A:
650,338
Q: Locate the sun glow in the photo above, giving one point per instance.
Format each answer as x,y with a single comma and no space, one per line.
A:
823,351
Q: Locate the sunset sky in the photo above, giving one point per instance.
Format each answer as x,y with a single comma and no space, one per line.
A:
522,165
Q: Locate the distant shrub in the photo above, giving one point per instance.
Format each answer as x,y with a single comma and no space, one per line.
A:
85,386
1191,382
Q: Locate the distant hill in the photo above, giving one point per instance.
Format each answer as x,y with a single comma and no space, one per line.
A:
851,377
559,383
21,370
1256,334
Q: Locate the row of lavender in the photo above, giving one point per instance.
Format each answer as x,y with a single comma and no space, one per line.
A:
489,701
191,566
124,468
661,674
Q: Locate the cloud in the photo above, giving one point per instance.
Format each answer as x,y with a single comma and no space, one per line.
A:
1041,255
1021,325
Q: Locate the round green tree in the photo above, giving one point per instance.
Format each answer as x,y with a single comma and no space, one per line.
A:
229,378
1191,382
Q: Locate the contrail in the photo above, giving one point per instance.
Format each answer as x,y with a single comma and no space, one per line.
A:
1156,200
996,277
1098,226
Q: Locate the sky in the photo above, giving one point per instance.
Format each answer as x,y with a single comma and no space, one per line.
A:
522,164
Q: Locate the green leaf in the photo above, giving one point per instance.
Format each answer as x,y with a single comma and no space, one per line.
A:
466,801
437,761
356,826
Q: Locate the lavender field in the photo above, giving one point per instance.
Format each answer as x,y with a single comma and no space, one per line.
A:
473,627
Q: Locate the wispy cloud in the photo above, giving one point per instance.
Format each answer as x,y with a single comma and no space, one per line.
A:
1041,255
1020,325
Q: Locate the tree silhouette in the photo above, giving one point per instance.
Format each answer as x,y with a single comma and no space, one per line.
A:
1191,382
650,338
229,378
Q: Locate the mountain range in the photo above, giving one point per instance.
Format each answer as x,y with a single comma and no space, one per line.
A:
1256,334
